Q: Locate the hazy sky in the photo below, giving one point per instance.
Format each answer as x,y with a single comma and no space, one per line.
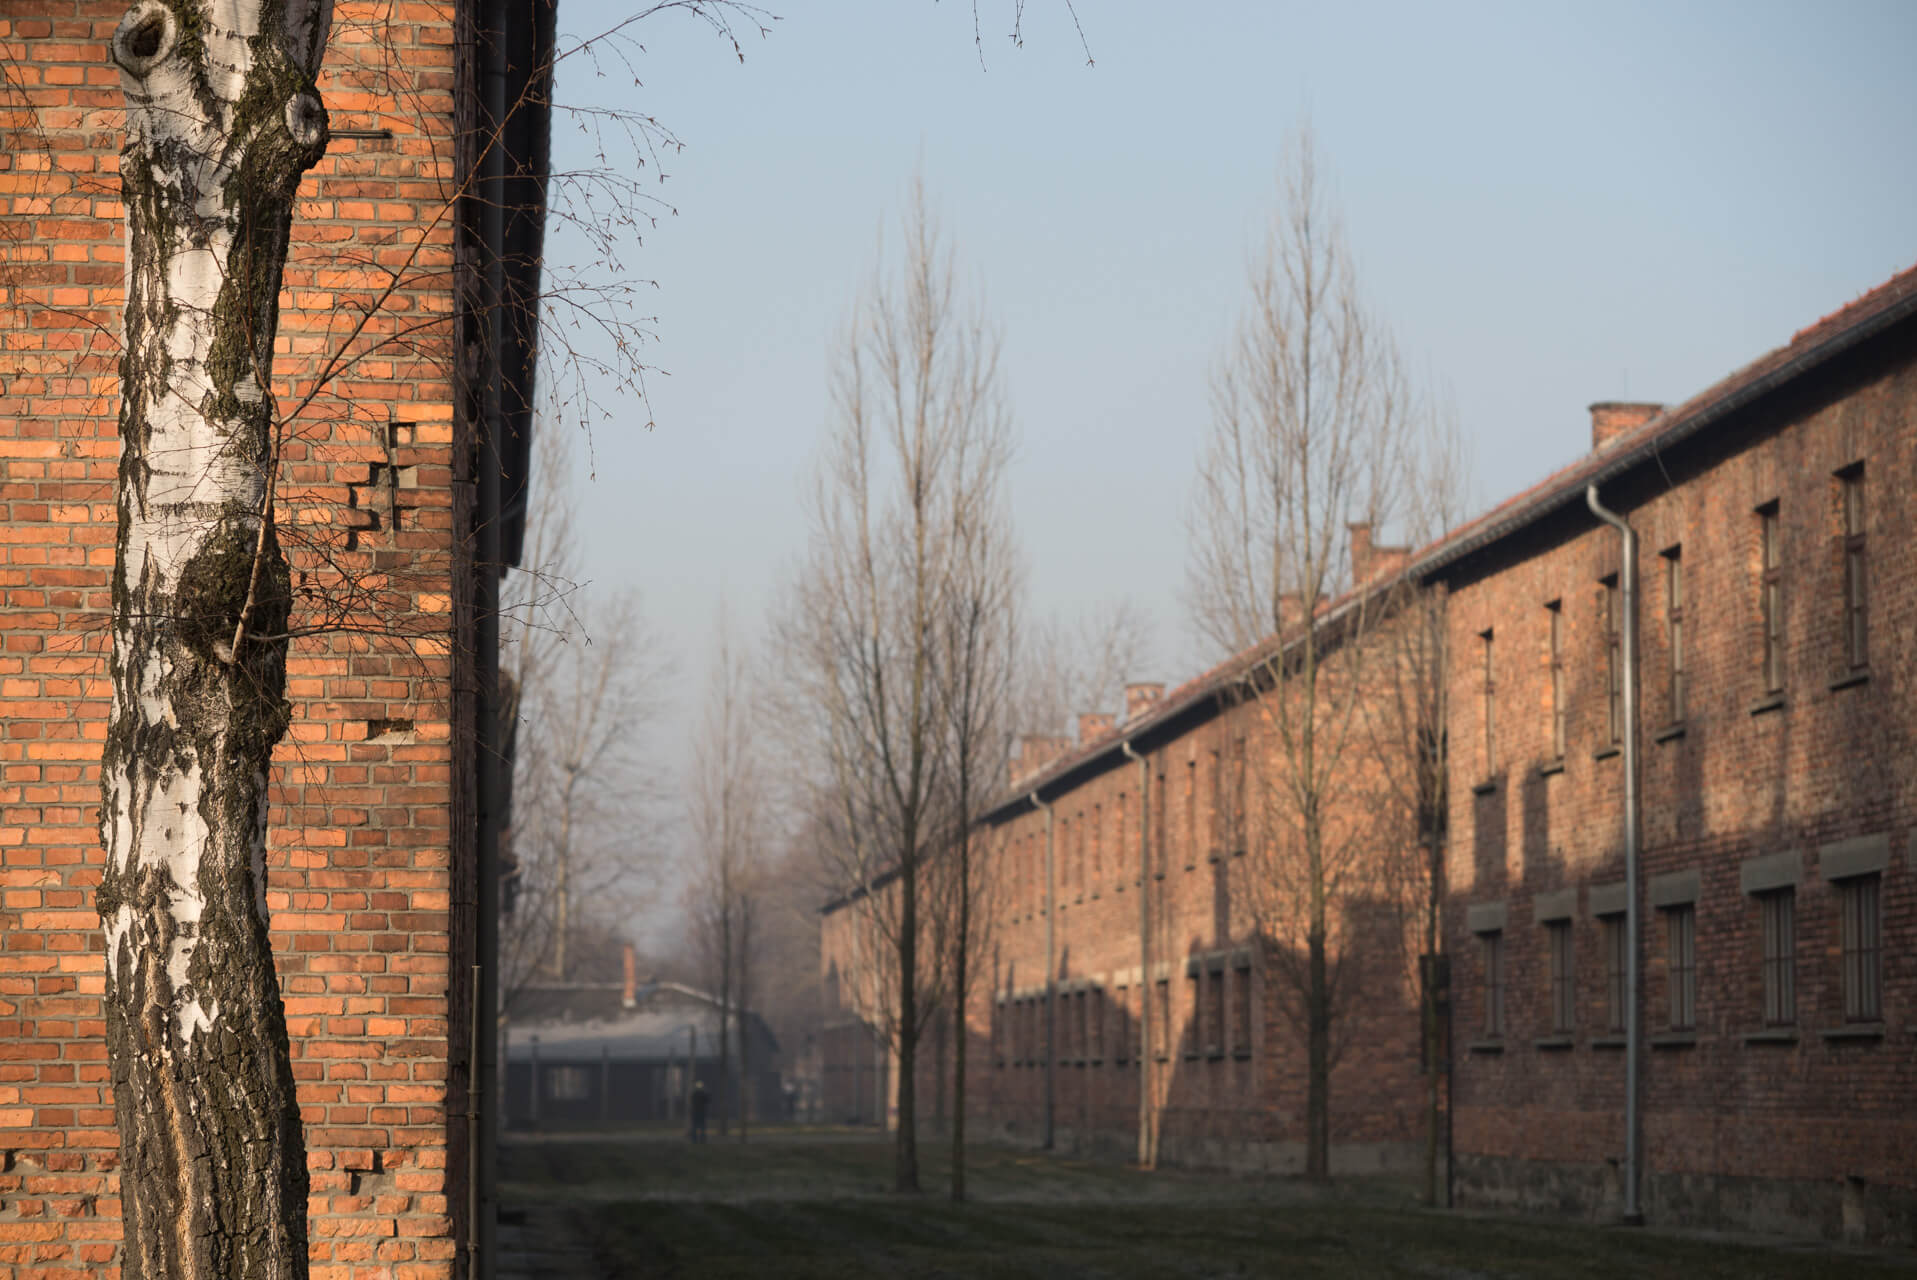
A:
1548,205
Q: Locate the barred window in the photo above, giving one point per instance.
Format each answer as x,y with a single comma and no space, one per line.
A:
1215,1013
1680,960
1674,629
1241,1011
1614,965
1613,661
1771,596
1490,710
1493,944
1194,1032
1854,630
1862,948
1555,612
1563,977
1779,911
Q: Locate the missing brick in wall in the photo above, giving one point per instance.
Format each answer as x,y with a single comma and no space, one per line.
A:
390,731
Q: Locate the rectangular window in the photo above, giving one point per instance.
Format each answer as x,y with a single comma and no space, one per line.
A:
1680,959
1613,661
1854,630
1563,977
1191,814
1613,927
1770,596
1493,945
1215,1013
1158,827
1780,957
1863,948
1135,1011
1490,711
1241,1011
1239,833
1161,1021
1674,630
1098,847
1194,1032
1554,612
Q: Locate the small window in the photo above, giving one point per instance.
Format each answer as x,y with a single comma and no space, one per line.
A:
1563,977
1215,1013
1862,948
1674,631
1614,965
1680,959
1238,834
1490,710
1613,661
1194,1032
1241,1011
1852,481
1770,597
1779,910
568,1084
1554,613
1191,814
1493,948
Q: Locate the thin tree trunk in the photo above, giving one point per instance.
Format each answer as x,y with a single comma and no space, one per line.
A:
958,1000
220,127
725,1014
906,1172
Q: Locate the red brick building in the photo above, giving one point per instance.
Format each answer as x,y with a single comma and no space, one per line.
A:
1772,721
404,476
1135,997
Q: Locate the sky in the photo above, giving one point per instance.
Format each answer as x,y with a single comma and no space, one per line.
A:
1548,205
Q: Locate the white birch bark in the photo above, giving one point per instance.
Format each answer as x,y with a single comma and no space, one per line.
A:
222,121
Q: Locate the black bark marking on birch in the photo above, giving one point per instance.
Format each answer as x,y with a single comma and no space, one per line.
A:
213,1171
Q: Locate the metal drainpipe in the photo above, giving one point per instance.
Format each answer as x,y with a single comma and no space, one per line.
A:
1144,984
1633,1211
1051,974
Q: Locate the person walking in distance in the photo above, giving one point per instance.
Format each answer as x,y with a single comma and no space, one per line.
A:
699,1103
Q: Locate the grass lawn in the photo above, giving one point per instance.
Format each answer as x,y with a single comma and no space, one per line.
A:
817,1205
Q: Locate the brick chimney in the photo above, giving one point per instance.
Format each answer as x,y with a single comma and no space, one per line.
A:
1093,725
1034,752
1140,698
1291,610
1612,418
631,996
1360,541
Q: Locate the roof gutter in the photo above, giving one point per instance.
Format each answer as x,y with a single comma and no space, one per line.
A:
1450,552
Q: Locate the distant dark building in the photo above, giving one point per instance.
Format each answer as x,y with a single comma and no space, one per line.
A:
613,1055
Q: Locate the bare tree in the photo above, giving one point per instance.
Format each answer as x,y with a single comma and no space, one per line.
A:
1065,667
978,627
920,426
730,813
584,684
1311,418
220,128
1406,718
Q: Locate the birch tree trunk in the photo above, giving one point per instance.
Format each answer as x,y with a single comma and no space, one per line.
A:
222,122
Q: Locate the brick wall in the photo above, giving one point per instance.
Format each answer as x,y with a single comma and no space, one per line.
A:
1228,1059
360,847
1805,1124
